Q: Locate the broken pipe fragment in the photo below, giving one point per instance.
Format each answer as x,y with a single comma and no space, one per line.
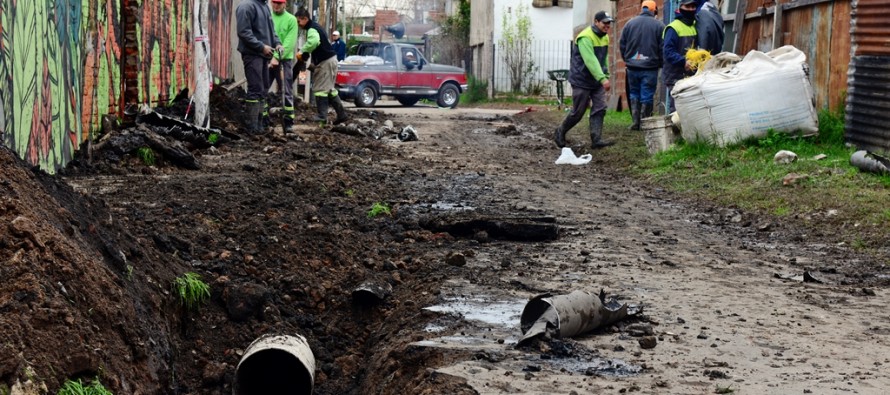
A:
568,315
870,162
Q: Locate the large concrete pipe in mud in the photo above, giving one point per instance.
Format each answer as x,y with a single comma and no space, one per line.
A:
276,364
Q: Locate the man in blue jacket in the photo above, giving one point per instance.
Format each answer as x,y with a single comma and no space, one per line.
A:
641,45
338,45
589,77
256,42
679,36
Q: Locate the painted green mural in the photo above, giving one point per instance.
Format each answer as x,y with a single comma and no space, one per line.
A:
61,66
40,79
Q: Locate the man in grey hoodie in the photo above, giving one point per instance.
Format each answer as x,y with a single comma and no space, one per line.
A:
709,27
256,41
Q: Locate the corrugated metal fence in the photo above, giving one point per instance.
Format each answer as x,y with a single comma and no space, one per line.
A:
868,99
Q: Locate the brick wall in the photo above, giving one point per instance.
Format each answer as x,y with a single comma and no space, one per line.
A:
385,18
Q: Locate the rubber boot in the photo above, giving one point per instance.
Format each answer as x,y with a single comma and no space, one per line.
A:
338,107
646,111
321,103
560,137
635,114
596,131
289,125
265,121
254,110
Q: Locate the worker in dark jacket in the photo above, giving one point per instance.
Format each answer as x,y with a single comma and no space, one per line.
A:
338,45
679,36
256,42
641,45
324,74
709,27
589,77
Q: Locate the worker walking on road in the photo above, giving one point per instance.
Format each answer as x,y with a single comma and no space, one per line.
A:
589,77
324,75
283,62
256,42
641,45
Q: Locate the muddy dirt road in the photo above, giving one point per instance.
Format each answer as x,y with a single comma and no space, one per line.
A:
721,291
480,220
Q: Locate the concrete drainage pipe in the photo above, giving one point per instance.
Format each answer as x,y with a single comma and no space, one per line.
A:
276,364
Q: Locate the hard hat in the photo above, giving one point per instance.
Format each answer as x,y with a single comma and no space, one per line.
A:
335,33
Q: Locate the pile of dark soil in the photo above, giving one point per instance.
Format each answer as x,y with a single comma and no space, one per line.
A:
279,229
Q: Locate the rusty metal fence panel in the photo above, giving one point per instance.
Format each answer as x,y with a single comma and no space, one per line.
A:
868,103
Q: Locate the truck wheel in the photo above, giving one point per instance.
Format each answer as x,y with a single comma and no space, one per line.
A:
449,96
408,101
365,95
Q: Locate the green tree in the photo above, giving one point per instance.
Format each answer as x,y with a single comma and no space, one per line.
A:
454,39
515,47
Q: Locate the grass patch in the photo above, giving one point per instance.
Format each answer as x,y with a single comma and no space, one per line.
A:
379,208
191,290
840,202
744,175
147,156
78,388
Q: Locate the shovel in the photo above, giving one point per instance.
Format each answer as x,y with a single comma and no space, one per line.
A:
281,83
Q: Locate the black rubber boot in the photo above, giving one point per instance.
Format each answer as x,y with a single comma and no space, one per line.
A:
321,103
596,131
289,125
252,123
265,121
635,114
560,137
338,107
646,111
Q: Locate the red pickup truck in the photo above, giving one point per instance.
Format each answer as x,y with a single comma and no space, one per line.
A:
399,70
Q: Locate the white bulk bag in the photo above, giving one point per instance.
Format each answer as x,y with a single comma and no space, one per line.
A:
763,91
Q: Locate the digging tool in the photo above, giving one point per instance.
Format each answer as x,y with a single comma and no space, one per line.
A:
281,83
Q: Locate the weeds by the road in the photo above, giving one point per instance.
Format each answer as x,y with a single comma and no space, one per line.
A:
192,291
377,209
78,388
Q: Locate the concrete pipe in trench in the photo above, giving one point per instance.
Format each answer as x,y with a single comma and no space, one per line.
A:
276,364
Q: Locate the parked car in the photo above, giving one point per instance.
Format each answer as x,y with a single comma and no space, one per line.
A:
399,70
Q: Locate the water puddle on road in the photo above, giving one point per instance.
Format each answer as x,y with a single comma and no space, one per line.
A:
446,206
491,324
481,308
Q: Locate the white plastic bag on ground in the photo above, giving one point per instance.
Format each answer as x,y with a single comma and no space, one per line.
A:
567,157
761,92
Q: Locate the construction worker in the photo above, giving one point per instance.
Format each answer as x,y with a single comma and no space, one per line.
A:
256,42
286,28
589,77
678,37
324,74
641,46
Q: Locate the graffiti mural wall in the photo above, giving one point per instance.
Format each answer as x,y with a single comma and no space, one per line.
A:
41,78
64,64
